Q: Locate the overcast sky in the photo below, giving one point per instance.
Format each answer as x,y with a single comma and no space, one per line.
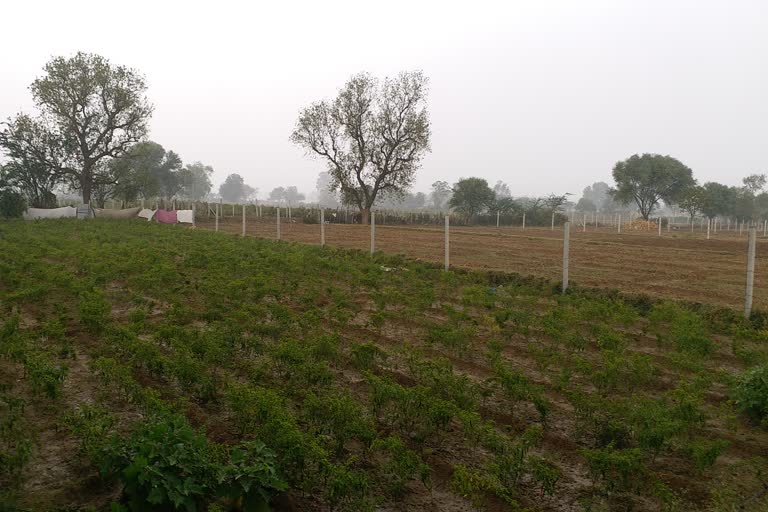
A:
543,95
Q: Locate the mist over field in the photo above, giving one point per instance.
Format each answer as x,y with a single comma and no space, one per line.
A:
387,256
545,96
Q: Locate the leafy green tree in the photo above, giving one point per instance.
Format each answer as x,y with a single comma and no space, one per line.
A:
290,195
717,199
34,160
12,203
441,194
692,201
554,203
649,178
471,196
503,205
585,205
754,183
235,190
372,136
96,110
599,194
747,205
146,170
501,189
195,180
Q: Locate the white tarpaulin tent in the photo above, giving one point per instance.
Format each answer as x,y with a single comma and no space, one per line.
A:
127,213
50,213
146,213
185,216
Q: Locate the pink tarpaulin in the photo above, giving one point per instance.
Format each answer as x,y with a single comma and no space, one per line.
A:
166,217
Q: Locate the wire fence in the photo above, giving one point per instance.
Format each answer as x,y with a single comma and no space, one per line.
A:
666,258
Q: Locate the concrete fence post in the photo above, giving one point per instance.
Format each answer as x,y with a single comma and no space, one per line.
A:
447,243
373,232
618,224
566,244
659,226
243,233
322,227
217,217
750,272
498,213
553,221
523,221
709,223
193,215
278,223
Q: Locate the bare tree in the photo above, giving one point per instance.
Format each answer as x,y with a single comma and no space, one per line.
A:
372,136
97,110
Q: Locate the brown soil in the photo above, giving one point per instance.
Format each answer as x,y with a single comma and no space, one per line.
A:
678,265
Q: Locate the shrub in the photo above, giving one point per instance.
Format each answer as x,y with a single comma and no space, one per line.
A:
166,465
617,470
94,311
163,464
90,424
751,394
43,376
399,464
12,204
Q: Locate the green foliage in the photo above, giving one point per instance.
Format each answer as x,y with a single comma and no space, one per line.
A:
471,196
44,377
398,465
544,473
166,465
12,203
340,416
365,355
510,461
751,394
517,388
90,424
415,411
15,441
685,329
347,489
453,338
614,469
475,485
647,179
94,311
250,477
704,453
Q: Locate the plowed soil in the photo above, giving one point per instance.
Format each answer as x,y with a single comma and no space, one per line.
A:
677,265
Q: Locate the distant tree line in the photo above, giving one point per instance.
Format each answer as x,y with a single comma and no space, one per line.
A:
90,136
647,181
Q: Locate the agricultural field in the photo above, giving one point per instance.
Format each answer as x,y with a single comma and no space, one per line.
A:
156,367
679,265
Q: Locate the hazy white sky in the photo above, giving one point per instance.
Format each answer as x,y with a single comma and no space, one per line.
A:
544,95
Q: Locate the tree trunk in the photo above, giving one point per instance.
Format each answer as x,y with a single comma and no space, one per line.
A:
365,214
86,183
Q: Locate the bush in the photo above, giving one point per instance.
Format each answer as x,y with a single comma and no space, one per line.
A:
166,465
12,204
94,311
751,394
